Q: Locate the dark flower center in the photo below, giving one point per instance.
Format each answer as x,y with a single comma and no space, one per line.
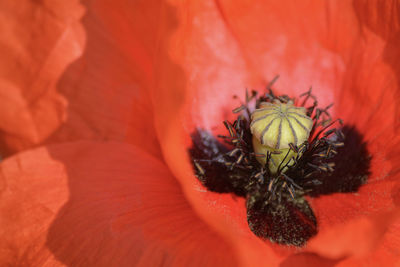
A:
331,160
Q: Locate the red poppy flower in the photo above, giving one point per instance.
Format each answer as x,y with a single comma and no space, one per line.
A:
99,100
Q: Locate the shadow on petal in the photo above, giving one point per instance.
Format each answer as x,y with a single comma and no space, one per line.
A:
383,19
125,208
39,40
308,259
96,204
109,89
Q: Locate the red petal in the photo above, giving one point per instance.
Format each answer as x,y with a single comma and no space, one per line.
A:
108,87
222,46
104,95
308,260
385,254
329,46
299,41
39,39
382,17
99,205
368,100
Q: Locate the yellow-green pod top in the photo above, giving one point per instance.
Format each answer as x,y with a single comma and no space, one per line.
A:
276,125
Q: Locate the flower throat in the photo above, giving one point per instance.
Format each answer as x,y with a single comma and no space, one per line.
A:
274,155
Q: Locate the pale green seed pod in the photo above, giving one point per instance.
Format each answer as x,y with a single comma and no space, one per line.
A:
274,126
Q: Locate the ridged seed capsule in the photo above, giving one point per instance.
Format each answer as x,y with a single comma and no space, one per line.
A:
274,127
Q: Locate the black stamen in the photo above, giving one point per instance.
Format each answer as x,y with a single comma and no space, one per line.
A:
276,207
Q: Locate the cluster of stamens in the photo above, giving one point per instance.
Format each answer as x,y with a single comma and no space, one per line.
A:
276,152
309,153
